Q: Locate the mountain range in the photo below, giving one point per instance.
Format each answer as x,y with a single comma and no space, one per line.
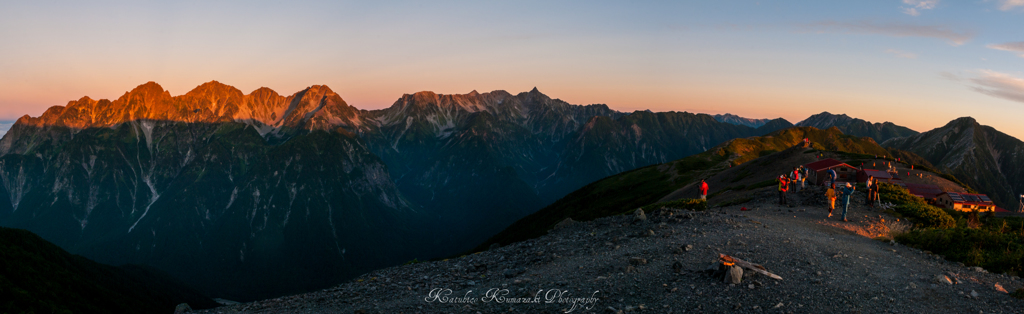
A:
249,196
987,160
881,132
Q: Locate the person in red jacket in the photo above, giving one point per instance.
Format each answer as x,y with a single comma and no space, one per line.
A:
703,190
783,187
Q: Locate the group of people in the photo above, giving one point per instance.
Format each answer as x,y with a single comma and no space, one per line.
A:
842,193
797,179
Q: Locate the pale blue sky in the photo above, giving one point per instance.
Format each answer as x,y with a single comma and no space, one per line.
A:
915,63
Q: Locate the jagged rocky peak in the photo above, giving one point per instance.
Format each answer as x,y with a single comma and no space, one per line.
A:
320,108
149,90
823,119
963,122
316,107
214,89
535,95
430,101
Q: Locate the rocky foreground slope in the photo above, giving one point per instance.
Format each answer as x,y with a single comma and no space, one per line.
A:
658,265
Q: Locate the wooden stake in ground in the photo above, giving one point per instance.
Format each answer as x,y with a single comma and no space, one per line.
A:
729,260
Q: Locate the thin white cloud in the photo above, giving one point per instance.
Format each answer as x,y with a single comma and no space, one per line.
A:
999,85
951,36
1007,5
1011,47
901,53
916,5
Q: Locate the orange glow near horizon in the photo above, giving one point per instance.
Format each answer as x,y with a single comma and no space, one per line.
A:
768,103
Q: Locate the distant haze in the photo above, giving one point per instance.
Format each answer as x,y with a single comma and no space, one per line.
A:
4,126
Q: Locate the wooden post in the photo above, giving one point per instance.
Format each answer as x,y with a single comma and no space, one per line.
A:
728,260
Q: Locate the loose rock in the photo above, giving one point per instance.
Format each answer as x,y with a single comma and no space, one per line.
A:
639,216
734,275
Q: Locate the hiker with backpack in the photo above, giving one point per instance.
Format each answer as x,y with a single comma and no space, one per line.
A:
832,176
783,187
846,192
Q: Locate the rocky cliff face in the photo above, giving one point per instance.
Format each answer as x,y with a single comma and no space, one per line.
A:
255,195
984,158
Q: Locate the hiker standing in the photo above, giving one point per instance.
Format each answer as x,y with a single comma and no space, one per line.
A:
870,183
873,191
832,176
831,196
783,187
795,176
846,192
803,178
703,190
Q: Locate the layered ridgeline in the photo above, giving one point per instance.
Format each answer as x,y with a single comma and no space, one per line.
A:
254,195
881,132
39,277
985,159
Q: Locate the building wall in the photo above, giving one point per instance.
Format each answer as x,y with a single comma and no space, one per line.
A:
945,202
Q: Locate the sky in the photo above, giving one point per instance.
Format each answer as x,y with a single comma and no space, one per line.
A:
916,63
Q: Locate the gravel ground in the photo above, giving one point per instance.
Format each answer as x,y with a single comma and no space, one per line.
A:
658,265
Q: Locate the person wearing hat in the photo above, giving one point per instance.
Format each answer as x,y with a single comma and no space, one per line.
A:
783,187
846,192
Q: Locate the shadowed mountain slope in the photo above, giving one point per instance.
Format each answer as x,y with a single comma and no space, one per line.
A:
987,160
39,277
